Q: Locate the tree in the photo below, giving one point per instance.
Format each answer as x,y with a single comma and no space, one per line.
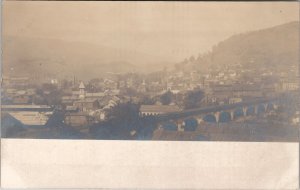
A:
124,112
166,98
123,119
93,85
66,84
39,100
193,98
54,98
129,92
49,87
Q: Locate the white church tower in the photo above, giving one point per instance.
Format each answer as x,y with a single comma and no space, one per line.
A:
144,89
81,91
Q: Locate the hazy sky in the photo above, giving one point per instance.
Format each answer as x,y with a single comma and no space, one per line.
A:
175,29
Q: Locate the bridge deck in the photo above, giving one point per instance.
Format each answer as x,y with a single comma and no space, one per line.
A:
211,109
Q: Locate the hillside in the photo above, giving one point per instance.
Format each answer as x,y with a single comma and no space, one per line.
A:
275,48
59,58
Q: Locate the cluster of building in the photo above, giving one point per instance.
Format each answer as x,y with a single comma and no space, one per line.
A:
84,103
82,107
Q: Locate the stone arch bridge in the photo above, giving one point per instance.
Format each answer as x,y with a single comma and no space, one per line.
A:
221,113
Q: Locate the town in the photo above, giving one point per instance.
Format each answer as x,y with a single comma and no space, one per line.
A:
126,105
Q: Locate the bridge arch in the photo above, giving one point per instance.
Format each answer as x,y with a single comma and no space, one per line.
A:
190,124
170,126
210,118
216,114
261,109
238,112
224,117
270,106
250,111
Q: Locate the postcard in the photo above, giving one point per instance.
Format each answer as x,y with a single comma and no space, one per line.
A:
159,85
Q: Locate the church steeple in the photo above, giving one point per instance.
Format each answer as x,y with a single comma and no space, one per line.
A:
144,89
81,90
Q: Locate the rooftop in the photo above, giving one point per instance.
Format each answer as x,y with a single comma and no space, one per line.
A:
25,106
87,100
81,86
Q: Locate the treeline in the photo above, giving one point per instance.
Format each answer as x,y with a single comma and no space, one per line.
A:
124,123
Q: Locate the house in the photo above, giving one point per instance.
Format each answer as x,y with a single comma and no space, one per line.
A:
234,100
290,85
146,110
97,95
21,99
11,91
71,109
82,93
109,100
220,92
21,92
77,119
113,92
110,105
17,81
87,104
247,91
68,100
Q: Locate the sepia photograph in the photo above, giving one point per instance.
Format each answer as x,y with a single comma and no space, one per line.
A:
150,95
154,71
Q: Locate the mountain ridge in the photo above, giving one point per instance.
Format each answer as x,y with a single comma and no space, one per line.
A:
58,58
275,48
